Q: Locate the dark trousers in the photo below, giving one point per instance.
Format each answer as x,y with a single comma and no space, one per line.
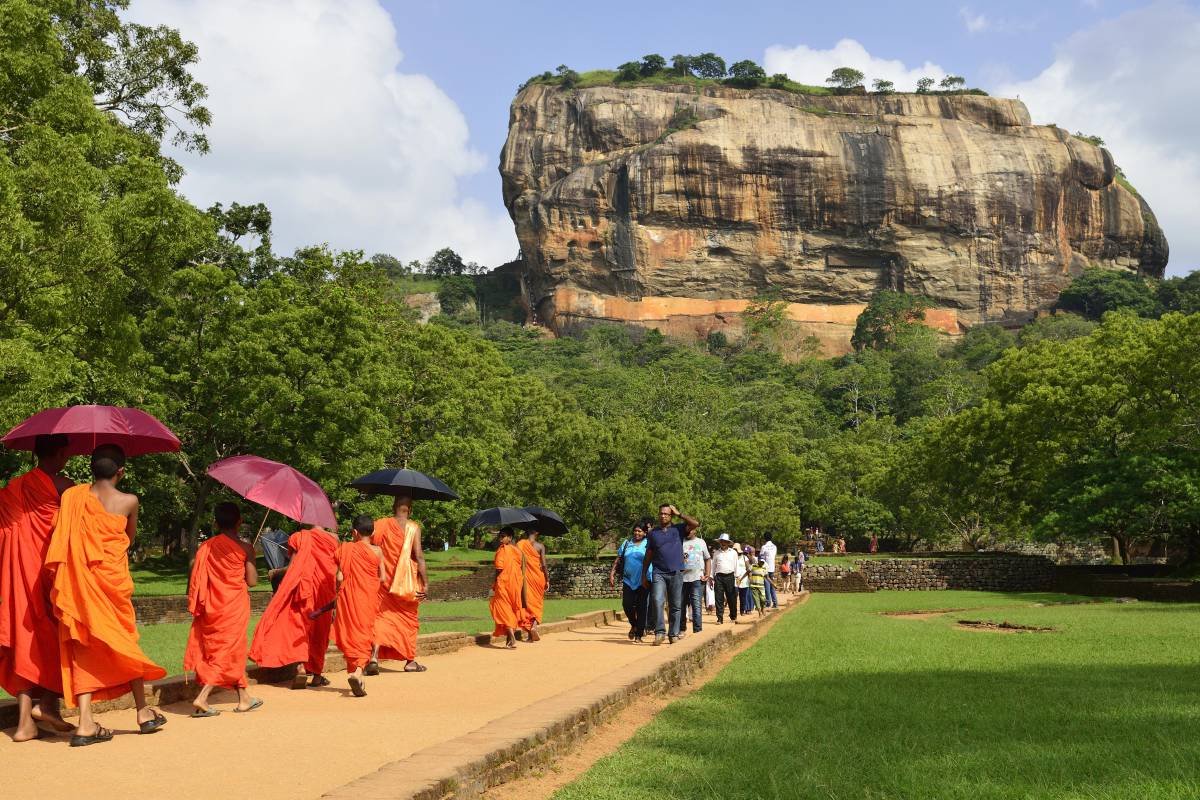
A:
693,601
634,602
772,599
747,600
726,591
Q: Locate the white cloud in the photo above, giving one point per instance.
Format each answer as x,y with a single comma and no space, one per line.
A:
312,116
806,65
1132,81
973,22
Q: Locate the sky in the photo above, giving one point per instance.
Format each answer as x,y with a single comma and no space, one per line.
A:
377,124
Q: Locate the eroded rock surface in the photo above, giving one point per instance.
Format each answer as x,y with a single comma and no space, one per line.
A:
672,207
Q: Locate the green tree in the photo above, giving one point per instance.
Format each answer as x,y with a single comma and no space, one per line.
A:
681,64
652,64
567,77
1098,291
1180,293
708,65
952,82
390,265
882,86
779,80
746,74
629,71
845,78
1058,327
454,292
445,262
886,314
924,85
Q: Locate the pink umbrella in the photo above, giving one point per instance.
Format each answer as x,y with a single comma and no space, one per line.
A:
276,486
88,427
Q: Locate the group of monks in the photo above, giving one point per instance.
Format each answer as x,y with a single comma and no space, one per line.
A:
68,628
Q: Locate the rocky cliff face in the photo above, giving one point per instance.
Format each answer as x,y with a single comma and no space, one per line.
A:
672,207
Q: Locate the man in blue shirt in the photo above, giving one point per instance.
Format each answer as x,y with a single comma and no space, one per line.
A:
664,550
631,556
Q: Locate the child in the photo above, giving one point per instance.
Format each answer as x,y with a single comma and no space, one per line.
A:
758,585
219,600
785,572
361,574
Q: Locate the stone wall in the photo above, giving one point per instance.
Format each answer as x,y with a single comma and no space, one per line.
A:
173,608
582,578
1002,573
820,578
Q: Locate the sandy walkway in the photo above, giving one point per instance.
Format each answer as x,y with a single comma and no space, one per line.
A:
303,744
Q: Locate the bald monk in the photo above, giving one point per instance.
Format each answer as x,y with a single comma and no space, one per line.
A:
404,573
91,594
537,579
29,663
288,632
505,603
360,566
219,601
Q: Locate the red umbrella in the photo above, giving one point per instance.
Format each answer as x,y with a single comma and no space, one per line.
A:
276,486
88,427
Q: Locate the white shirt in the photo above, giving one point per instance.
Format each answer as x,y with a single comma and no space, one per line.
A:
724,561
742,572
767,553
695,553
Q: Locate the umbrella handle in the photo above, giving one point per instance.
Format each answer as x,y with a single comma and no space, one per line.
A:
260,528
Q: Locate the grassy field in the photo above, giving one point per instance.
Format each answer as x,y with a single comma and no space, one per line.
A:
840,702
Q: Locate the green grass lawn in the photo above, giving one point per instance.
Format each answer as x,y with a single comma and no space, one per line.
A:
840,702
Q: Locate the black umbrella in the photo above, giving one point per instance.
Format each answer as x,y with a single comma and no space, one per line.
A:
395,482
499,517
546,522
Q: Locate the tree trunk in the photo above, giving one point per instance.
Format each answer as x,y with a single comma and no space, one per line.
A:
193,535
1122,545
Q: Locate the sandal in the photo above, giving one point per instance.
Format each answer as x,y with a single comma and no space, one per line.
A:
201,713
356,686
417,668
102,734
372,668
300,681
152,725
256,703
319,680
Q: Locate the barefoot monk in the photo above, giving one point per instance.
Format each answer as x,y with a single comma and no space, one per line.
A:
360,564
537,579
505,603
399,538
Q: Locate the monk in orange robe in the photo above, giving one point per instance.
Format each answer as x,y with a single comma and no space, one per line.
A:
537,579
219,602
292,629
91,594
360,565
29,661
404,574
505,604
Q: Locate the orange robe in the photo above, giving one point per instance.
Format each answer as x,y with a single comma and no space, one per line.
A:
505,604
219,602
534,594
285,635
397,624
28,631
91,594
357,603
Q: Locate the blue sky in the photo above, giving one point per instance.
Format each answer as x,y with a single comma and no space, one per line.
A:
377,124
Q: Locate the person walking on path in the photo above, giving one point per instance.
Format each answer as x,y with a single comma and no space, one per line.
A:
743,579
664,550
759,579
631,555
697,574
29,658
724,569
92,596
219,601
798,568
785,573
537,579
361,575
767,554
399,537
293,629
505,603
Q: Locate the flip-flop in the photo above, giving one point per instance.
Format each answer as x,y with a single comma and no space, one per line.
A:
417,668
152,725
255,704
300,681
356,686
102,734
202,713
372,668
319,680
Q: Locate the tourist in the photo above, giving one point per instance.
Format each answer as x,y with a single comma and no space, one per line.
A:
767,554
742,576
92,598
874,546
785,573
759,579
537,580
292,629
399,601
842,545
724,570
505,602
664,549
29,659
219,601
360,564
630,555
798,569
820,543
697,574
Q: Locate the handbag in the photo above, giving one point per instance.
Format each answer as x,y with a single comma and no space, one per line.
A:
405,582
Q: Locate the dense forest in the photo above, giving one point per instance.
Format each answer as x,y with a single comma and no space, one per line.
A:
115,289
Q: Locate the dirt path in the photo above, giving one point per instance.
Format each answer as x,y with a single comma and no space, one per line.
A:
303,744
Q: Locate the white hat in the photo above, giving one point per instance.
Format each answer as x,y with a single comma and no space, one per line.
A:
724,537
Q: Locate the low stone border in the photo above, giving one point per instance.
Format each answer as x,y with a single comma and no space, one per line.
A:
517,743
176,688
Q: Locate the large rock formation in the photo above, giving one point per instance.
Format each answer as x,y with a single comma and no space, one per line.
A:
672,207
